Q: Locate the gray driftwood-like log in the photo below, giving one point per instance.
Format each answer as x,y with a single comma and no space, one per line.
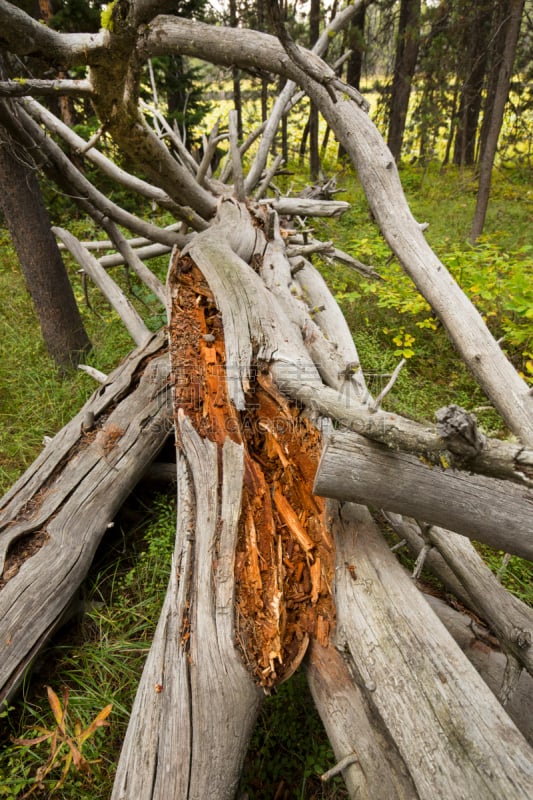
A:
131,319
196,703
478,644
350,722
447,725
58,511
461,569
496,512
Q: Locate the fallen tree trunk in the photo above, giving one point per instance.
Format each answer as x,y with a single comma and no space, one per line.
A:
480,647
255,572
498,513
454,737
60,508
197,703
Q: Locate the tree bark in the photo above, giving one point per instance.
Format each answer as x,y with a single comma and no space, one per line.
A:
404,70
447,725
474,49
514,19
196,697
44,272
485,509
59,510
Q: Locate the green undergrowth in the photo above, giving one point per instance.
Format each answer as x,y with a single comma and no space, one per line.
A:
497,275
100,655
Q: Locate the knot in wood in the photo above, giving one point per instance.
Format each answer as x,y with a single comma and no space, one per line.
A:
459,431
521,637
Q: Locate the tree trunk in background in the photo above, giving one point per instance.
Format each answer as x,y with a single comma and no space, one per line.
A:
46,277
500,16
314,154
404,69
475,47
355,41
496,118
261,25
236,73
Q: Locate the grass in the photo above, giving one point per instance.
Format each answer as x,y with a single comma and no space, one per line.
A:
100,657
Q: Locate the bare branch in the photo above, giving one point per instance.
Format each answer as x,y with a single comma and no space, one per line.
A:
108,167
131,319
144,253
66,175
33,86
379,176
133,260
23,35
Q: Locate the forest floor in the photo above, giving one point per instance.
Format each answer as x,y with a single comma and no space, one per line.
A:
99,654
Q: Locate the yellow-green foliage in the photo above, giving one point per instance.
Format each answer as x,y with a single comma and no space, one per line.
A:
106,20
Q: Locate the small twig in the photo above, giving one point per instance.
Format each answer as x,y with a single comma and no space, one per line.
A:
386,389
398,545
503,566
209,152
420,561
101,377
343,763
154,95
95,138
307,249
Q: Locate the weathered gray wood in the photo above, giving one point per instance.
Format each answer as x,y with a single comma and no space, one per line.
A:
454,560
496,512
132,259
196,704
498,459
127,312
510,619
352,727
450,730
477,643
69,496
308,207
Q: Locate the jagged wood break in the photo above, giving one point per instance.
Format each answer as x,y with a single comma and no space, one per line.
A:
284,559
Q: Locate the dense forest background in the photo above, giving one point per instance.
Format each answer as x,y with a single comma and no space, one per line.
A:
450,86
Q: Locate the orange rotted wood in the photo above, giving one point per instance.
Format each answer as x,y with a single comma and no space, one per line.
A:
284,558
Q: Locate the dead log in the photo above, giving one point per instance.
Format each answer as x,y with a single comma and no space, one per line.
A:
196,703
492,511
450,730
58,511
226,360
377,768
482,650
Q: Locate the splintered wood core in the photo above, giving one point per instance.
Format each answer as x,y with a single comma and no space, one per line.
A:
284,558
